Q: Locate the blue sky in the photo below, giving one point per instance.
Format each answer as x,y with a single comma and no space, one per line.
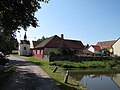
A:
87,20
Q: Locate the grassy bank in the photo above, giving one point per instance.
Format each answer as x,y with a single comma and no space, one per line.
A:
88,64
103,66
58,76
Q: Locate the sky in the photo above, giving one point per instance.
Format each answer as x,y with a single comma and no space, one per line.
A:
89,21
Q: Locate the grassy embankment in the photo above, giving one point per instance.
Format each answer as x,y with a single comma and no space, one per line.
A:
92,65
104,66
85,66
58,76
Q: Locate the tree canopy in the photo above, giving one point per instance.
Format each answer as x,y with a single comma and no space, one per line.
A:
7,43
17,14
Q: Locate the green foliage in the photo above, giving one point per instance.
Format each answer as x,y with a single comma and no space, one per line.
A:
86,64
58,76
42,39
106,52
52,52
64,50
18,13
14,15
7,43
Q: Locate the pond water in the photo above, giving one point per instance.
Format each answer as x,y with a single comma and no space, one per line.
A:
93,81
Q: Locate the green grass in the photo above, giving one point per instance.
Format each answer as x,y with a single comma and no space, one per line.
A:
85,67
87,64
58,76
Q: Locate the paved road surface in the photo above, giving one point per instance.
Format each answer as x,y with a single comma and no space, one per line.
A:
28,77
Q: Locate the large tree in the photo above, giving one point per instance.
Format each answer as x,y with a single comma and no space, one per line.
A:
17,14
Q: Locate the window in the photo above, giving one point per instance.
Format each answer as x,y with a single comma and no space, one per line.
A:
24,48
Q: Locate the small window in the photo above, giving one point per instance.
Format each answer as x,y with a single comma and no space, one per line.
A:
24,48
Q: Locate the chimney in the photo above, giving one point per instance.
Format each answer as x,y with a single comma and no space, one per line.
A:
62,36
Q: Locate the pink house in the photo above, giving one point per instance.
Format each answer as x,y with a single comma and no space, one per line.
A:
42,48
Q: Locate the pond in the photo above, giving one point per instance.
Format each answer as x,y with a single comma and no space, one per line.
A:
97,81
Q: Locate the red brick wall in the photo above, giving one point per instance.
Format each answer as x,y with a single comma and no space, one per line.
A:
38,54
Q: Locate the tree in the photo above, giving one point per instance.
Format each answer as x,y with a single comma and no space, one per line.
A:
7,43
64,50
106,52
43,38
17,14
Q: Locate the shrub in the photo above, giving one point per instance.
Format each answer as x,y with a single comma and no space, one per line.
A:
85,64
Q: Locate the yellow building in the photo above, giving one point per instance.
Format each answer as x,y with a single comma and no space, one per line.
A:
116,47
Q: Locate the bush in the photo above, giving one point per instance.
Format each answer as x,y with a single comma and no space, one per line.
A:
85,64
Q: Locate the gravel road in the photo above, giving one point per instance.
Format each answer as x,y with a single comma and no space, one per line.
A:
28,77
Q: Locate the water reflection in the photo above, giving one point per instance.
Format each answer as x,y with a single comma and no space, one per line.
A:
98,81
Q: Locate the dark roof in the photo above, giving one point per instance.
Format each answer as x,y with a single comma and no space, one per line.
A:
24,42
55,42
106,44
49,42
96,47
35,43
85,51
74,44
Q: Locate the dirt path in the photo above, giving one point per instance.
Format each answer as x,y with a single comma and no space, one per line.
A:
28,77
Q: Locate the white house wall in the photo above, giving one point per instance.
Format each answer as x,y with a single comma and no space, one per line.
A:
116,48
22,51
91,49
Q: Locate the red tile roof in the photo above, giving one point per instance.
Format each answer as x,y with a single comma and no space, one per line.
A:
96,47
106,44
55,42
52,42
74,44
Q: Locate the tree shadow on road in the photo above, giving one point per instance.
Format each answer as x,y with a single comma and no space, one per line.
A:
25,80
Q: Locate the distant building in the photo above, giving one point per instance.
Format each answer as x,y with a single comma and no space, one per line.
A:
106,45
116,47
51,44
95,49
24,47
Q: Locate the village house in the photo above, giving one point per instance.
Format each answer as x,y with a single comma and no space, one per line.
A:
113,47
106,45
41,49
24,47
116,47
95,49
51,44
